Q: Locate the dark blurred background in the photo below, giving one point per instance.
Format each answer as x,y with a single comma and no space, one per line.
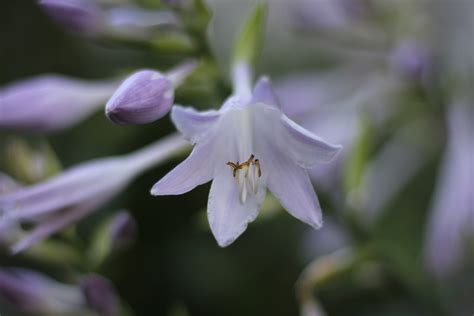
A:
175,267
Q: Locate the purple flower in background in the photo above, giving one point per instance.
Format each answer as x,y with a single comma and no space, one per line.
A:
452,221
411,59
146,95
50,102
245,147
82,16
33,293
138,22
122,231
86,17
75,193
331,105
100,295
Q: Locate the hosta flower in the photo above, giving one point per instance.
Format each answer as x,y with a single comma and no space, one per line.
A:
72,195
247,146
83,16
33,293
452,222
100,295
51,102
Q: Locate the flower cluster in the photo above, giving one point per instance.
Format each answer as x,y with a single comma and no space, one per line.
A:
375,130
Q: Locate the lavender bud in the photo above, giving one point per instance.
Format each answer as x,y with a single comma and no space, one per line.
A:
81,16
115,235
122,231
142,98
411,60
50,102
100,295
132,21
33,293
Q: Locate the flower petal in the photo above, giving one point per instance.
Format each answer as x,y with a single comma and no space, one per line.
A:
100,295
57,222
76,185
228,217
306,148
197,169
191,123
263,92
290,184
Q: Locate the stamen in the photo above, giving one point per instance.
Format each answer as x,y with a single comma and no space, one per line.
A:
247,180
257,164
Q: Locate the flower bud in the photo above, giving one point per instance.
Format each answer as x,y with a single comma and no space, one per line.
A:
50,102
142,98
33,293
81,16
100,295
115,235
122,231
411,60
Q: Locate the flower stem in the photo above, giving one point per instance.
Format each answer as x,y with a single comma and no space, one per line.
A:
178,74
242,78
157,152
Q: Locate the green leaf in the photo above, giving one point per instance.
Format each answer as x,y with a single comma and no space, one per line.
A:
249,41
359,157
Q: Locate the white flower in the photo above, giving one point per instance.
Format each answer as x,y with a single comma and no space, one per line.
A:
245,147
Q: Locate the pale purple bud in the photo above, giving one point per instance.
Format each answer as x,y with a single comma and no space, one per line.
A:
33,293
137,22
50,102
122,231
327,14
142,98
451,226
411,60
100,295
81,16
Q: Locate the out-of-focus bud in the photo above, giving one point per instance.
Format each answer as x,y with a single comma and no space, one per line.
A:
50,102
81,16
330,14
131,21
33,293
451,226
115,235
100,295
310,307
122,231
146,95
30,163
411,60
142,98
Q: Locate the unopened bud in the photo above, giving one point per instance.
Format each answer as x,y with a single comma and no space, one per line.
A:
142,98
